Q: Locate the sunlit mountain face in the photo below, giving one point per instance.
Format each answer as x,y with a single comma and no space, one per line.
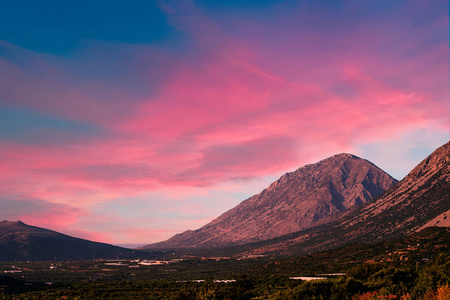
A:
309,196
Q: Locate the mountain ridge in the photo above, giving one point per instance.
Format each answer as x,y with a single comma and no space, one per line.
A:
297,200
19,241
418,199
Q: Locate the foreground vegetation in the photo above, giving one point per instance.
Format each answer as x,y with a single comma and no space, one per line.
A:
416,267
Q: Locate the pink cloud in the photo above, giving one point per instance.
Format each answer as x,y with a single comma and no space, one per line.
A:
247,99
220,104
40,212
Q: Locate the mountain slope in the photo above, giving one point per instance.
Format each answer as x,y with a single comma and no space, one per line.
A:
298,200
406,207
422,198
23,242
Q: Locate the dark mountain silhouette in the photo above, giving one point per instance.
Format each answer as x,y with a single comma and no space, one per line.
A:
19,241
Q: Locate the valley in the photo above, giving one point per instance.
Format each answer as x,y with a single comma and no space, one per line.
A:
408,265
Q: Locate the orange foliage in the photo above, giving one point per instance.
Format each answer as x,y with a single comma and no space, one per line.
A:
376,296
442,293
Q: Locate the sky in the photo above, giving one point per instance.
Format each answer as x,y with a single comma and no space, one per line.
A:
127,122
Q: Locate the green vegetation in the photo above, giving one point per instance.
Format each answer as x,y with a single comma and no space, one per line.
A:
415,267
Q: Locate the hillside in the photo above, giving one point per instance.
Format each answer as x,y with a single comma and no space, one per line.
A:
298,200
422,198
19,241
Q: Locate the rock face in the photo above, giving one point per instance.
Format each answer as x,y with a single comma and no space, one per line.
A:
298,200
422,196
420,200
19,241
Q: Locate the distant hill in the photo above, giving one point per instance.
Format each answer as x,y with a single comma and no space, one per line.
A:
298,200
421,199
19,241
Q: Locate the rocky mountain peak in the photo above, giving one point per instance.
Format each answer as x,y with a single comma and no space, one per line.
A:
297,200
336,165
418,201
12,224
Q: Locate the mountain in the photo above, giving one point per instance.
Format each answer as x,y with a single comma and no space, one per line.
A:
421,199
422,196
19,241
298,200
